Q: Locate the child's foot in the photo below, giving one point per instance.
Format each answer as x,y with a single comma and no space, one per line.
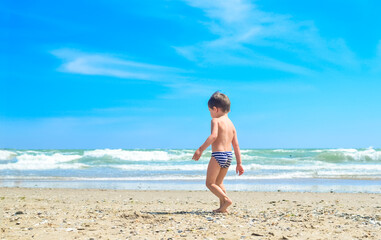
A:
226,204
216,210
219,211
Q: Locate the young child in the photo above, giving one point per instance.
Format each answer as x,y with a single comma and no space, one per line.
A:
222,138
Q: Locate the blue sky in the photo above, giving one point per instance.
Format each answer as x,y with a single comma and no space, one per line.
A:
138,74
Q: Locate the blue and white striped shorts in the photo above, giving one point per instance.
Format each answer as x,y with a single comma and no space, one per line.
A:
224,159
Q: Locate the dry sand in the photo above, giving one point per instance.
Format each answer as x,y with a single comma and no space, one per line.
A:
121,214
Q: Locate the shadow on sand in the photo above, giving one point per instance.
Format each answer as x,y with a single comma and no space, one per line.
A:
200,213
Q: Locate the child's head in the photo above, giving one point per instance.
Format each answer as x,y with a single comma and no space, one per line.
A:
219,100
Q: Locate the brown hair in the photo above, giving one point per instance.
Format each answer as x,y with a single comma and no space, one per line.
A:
219,100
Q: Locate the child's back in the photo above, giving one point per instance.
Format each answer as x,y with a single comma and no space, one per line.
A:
226,132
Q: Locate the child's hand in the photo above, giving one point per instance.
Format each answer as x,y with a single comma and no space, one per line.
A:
239,169
197,155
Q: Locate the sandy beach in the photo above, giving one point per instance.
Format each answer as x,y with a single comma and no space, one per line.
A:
37,213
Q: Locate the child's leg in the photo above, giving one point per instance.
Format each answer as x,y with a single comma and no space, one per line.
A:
219,182
213,171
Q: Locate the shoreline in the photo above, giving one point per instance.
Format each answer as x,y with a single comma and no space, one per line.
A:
2,190
319,185
64,213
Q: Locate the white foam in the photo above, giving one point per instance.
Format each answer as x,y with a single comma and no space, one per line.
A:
251,157
345,150
201,177
54,158
348,174
136,155
154,155
291,175
186,167
286,150
244,150
7,155
42,161
368,154
323,166
168,177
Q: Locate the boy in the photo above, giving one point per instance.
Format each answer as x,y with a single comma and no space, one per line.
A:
222,138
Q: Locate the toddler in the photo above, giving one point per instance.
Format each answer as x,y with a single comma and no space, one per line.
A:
223,136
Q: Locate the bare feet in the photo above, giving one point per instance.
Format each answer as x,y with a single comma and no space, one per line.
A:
223,209
216,210
219,211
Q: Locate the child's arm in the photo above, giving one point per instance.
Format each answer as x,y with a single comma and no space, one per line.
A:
237,152
213,136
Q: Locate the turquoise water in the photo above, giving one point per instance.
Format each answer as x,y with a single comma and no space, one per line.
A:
316,170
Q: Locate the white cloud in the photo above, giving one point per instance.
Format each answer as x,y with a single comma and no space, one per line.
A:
245,35
229,11
105,65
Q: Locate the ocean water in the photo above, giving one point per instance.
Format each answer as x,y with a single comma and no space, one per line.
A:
311,170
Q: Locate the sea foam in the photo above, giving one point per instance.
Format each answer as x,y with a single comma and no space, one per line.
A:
43,161
138,155
7,155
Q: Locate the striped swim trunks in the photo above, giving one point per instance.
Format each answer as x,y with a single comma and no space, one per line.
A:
224,159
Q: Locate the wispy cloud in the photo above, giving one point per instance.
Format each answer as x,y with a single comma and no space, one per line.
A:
245,35
105,65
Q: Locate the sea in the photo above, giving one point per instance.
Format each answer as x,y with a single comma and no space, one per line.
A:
282,170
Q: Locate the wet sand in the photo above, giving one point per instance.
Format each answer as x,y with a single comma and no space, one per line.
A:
36,213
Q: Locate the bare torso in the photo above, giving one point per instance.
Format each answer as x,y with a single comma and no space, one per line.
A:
225,136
